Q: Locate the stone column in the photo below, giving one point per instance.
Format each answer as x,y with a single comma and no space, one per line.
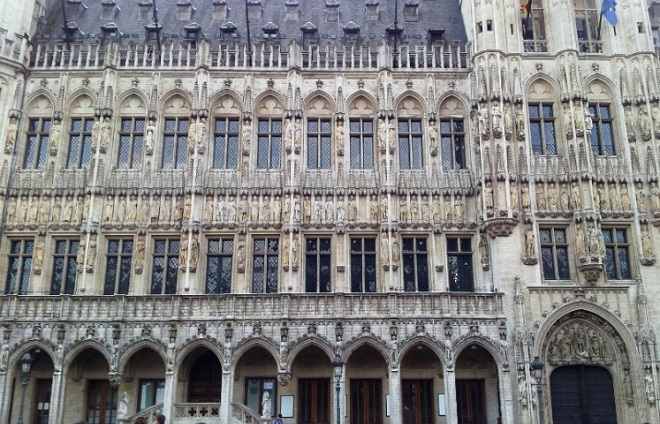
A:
450,397
225,395
169,397
395,396
506,396
56,398
5,400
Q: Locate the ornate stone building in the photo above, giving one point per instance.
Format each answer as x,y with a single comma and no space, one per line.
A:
346,211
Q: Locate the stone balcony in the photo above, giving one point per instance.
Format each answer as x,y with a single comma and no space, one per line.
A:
89,308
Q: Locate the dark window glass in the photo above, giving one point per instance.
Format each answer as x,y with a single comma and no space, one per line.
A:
165,266
362,143
131,139
265,257
459,264
554,253
452,139
118,267
317,265
219,265
410,144
19,266
363,265
175,142
225,143
63,280
36,143
415,264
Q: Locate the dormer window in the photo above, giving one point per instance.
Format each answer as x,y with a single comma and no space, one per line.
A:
270,31
410,11
254,9
228,30
110,30
372,14
220,10
292,12
192,32
351,31
184,10
331,10
146,10
309,34
394,33
70,30
152,31
108,10
436,36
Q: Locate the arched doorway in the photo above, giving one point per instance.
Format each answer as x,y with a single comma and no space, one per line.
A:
365,369
37,389
255,378
88,374
143,380
421,377
477,386
582,394
315,391
204,382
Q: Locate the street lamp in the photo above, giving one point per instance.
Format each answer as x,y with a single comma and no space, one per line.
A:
26,363
536,367
337,366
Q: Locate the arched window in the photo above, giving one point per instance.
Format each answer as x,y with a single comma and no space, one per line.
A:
176,124
361,132
132,127
452,134
270,133
226,130
319,134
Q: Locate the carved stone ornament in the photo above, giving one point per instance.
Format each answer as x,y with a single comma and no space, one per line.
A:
500,227
591,271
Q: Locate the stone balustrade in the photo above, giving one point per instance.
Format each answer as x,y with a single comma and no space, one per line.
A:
196,410
34,308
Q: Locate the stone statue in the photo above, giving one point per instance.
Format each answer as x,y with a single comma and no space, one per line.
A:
567,120
286,209
34,210
200,135
91,253
341,213
488,196
286,251
373,209
496,116
404,211
382,134
297,136
458,208
436,214
121,209
208,209
540,197
68,209
276,212
183,250
655,197
55,137
552,198
96,133
166,211
640,197
647,249
614,198
132,208
529,242
149,137
414,209
296,209
564,198
588,120
307,209
12,130
580,244
143,216
329,210
44,209
266,406
508,120
520,121
105,133
448,213
178,209
526,202
576,201
396,251
594,242
192,135
246,135
243,209
339,137
644,123
139,252
655,114
39,252
57,209
384,250
625,198
630,122
383,208
122,409
187,208
433,137
602,198
352,209
194,250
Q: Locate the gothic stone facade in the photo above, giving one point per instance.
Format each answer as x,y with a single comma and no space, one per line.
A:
191,225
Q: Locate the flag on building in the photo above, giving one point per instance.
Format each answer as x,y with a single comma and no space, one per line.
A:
608,10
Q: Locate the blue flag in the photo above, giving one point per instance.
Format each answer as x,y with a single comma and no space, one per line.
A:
608,10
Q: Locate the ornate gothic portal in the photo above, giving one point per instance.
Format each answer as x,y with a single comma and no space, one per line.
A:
589,371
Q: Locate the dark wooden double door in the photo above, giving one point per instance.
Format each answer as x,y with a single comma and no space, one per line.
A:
582,394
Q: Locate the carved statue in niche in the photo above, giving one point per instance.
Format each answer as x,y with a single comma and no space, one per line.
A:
276,212
246,135
448,212
594,241
630,122
149,137
384,249
458,208
625,198
286,209
307,209
425,209
55,137
614,198
529,242
254,209
520,122
341,212
436,214
602,202
194,250
644,123
201,135
352,209
382,134
96,133
121,209
57,209
208,209
68,209
396,251
143,216
80,257
132,208
139,253
192,135
552,198
655,198
526,202
288,134
373,209
297,136
567,121
433,138
488,196
178,209
496,116
285,251
243,209
166,211
588,121
564,198
483,250
39,247
513,198
105,134
329,210
154,209
296,209
318,211
183,250
11,209
655,114
508,120
540,197
295,248
647,246
22,209
187,208
34,210
44,209
339,137
91,254
576,200
240,254
580,242
264,211
12,130
80,205
383,208
231,210
484,121
404,210
392,135
578,118
414,208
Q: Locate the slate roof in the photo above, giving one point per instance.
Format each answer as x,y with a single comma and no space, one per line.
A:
88,16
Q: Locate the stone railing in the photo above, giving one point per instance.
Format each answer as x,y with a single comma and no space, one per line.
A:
244,415
196,410
275,306
185,55
149,414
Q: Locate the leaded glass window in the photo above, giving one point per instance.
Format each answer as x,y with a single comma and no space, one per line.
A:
554,254
363,264
165,269
36,146
317,264
131,143
415,264
452,136
63,280
362,143
219,265
119,260
80,143
410,143
602,136
175,142
319,148
542,128
265,257
459,264
269,143
225,143
19,266
617,259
